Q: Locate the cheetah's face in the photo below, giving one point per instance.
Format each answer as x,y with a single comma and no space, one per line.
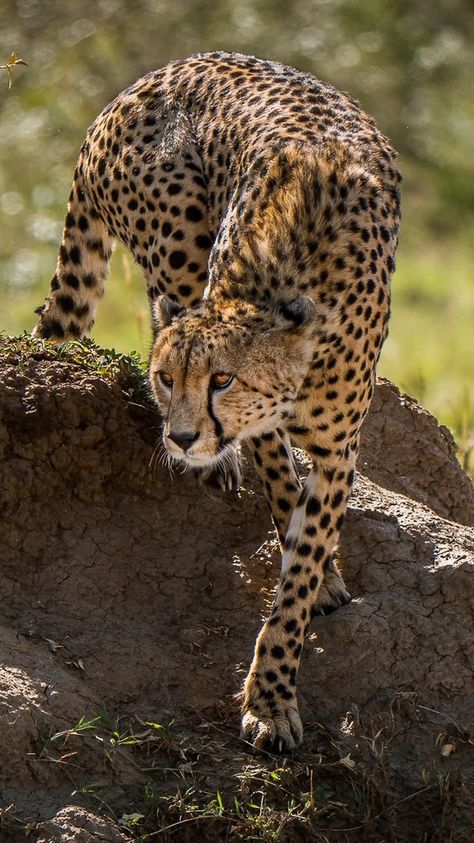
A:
222,375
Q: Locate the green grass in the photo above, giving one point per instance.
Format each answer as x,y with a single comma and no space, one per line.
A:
430,349
191,779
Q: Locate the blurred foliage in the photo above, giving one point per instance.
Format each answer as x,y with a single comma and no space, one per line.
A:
411,64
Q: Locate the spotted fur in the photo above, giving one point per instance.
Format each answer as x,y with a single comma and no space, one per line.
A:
263,208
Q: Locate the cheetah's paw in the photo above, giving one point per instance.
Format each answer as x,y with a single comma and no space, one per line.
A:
279,732
332,593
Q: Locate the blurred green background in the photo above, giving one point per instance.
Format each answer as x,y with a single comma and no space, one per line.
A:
410,62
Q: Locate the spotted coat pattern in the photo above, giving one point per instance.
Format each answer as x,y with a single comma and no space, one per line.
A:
263,208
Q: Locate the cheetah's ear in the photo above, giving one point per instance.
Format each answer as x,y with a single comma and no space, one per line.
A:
164,311
297,312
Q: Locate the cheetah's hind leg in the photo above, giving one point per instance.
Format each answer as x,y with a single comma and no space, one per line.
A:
226,476
332,593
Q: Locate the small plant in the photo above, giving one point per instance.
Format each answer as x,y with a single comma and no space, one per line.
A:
108,735
12,62
128,370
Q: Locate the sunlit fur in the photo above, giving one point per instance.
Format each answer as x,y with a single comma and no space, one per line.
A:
263,208
267,355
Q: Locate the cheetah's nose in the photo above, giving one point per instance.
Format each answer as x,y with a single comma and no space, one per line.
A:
183,440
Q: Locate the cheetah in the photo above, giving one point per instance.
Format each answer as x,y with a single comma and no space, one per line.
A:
263,208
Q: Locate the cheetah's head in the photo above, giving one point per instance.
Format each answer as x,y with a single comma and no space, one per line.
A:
222,373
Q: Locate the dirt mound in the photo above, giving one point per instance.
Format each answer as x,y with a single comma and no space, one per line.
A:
128,613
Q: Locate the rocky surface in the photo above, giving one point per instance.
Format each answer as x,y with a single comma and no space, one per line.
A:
131,596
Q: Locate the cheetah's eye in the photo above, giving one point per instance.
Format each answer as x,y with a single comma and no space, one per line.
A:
166,379
221,379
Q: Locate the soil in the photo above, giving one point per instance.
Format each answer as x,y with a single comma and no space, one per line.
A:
129,607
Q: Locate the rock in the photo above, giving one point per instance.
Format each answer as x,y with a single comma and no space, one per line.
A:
128,593
75,825
405,450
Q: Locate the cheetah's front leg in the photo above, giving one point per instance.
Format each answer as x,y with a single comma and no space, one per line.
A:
275,464
270,711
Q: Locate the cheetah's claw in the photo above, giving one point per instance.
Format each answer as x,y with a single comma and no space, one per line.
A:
279,734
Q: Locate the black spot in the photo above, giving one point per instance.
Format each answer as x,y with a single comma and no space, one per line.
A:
177,259
302,592
193,214
82,311
75,255
83,223
74,329
284,692
283,504
318,451
313,506
298,430
271,676
325,521
52,329
337,499
66,303
63,254
71,281
340,521
203,241
277,652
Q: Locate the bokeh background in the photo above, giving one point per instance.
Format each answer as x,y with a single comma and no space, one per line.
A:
410,62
